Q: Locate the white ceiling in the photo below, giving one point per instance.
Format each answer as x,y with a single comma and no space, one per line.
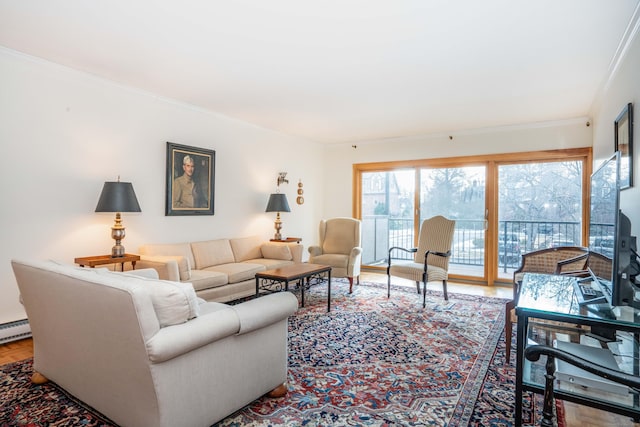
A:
341,70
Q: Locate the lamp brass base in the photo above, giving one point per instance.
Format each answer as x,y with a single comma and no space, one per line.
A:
117,234
278,227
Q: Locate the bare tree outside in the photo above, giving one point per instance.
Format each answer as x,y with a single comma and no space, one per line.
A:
539,205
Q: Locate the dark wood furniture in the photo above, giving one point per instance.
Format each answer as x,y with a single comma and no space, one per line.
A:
548,308
304,274
92,261
287,240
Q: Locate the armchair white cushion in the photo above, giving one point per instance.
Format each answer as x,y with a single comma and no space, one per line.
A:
339,247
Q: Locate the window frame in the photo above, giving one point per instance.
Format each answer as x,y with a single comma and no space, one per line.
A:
491,162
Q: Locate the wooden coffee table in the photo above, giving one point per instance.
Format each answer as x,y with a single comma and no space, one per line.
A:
305,274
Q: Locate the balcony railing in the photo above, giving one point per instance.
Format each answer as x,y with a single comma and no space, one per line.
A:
380,232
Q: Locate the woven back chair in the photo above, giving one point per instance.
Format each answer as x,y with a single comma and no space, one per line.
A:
600,264
560,260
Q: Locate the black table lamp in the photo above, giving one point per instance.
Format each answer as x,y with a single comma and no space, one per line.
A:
118,197
278,203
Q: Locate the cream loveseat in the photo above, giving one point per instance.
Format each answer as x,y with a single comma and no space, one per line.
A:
147,352
220,270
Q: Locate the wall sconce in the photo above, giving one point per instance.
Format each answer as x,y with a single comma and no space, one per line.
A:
118,197
282,178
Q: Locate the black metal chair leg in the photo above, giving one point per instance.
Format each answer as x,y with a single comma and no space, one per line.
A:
424,295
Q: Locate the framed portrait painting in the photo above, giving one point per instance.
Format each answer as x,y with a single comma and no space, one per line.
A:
190,180
624,144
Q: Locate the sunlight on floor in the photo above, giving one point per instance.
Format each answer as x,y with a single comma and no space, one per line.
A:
461,288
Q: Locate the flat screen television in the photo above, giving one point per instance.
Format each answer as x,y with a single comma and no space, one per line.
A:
610,240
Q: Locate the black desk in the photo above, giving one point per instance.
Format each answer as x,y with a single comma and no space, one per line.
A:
553,305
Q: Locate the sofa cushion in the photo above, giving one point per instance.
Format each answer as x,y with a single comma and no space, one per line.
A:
238,271
184,267
276,251
211,252
270,264
173,302
245,248
334,260
204,279
181,252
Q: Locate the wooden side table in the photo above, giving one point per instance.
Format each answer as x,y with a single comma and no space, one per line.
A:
287,240
92,261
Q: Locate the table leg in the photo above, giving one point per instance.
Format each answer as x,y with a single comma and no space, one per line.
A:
302,286
521,340
329,291
257,287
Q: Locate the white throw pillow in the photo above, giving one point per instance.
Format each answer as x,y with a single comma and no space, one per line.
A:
276,251
173,302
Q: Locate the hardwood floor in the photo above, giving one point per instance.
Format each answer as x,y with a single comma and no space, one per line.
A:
16,351
576,415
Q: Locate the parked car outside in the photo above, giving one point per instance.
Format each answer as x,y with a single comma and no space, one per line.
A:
509,252
603,245
559,240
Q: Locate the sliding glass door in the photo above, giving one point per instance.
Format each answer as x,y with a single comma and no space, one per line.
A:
539,206
387,205
503,205
458,193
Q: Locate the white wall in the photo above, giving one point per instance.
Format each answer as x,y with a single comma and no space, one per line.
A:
623,87
65,133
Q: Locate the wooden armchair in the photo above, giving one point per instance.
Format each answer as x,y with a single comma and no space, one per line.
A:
560,260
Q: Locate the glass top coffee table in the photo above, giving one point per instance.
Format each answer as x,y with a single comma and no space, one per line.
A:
304,274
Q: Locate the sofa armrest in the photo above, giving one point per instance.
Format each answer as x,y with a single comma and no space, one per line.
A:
296,252
147,273
172,341
315,250
260,312
166,267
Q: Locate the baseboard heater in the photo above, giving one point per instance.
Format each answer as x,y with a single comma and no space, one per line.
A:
14,331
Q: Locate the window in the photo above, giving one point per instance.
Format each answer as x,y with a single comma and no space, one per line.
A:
504,205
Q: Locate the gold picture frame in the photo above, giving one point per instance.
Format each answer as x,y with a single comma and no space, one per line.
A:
190,180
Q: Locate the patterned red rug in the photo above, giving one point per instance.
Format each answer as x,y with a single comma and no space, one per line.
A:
371,361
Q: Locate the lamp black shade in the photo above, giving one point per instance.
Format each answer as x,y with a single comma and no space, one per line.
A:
118,197
278,203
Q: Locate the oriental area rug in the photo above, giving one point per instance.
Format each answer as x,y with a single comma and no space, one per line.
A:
371,361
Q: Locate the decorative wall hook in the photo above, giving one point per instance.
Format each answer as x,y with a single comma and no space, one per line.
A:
300,199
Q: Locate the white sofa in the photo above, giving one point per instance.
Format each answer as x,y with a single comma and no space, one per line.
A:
220,270
147,352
